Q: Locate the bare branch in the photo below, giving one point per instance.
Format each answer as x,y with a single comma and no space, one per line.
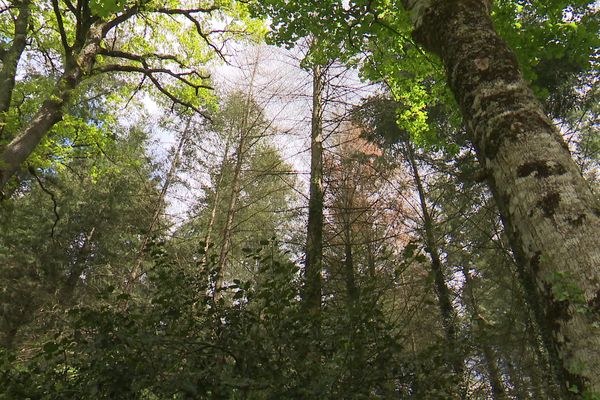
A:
181,11
146,57
176,100
149,73
137,89
189,14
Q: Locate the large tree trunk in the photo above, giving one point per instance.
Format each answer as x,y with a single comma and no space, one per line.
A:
10,59
441,289
314,241
550,214
51,111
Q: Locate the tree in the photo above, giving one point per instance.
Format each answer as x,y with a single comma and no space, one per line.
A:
246,195
543,199
77,227
94,39
314,231
550,214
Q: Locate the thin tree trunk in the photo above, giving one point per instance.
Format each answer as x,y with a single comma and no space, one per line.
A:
231,208
137,270
51,111
349,278
550,214
489,355
516,381
346,195
370,257
314,241
356,358
441,289
236,184
542,379
215,206
10,59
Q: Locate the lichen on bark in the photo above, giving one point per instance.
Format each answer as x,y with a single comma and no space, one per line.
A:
550,213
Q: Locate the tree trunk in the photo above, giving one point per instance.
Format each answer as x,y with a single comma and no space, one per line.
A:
215,206
314,241
441,289
489,355
516,381
10,59
349,278
236,185
17,151
550,214
137,270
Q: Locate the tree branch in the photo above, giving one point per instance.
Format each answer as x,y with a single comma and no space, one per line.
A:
52,197
70,6
189,15
148,71
145,57
119,19
61,29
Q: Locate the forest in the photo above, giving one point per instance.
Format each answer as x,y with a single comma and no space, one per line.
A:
278,199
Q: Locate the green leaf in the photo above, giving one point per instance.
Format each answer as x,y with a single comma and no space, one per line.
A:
105,8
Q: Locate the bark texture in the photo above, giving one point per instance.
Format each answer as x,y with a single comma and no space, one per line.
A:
314,241
550,214
10,59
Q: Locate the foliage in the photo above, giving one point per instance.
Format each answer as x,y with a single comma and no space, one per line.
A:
104,294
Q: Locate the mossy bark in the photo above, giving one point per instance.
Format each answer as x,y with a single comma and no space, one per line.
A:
550,214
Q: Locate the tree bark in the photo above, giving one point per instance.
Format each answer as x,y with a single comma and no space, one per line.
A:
10,59
314,241
51,111
550,214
